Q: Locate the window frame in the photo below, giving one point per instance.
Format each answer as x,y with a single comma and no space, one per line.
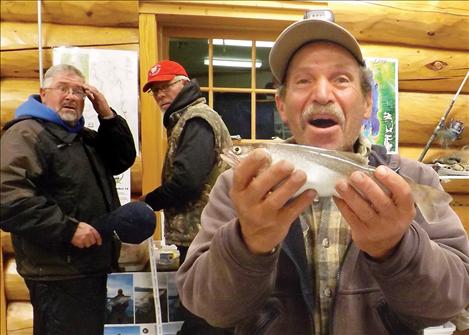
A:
169,32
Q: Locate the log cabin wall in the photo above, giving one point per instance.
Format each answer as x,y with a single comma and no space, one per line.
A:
430,40
94,24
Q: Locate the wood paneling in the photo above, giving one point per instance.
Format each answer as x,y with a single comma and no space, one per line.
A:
7,245
419,113
25,63
15,287
25,36
19,318
435,152
439,24
414,23
88,13
425,69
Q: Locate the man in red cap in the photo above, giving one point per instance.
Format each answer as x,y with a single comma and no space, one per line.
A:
196,137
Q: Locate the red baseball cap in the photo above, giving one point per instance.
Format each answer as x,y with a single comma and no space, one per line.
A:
165,70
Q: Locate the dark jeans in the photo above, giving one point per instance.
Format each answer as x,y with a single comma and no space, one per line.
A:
193,325
66,307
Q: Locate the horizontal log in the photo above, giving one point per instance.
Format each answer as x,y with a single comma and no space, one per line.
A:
14,93
458,186
424,69
463,213
25,63
15,287
441,24
419,113
90,13
460,200
434,153
25,36
420,23
19,318
420,69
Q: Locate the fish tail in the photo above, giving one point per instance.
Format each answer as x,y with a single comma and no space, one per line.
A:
425,197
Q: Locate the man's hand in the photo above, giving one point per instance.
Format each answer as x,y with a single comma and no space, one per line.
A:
261,194
98,100
85,236
378,220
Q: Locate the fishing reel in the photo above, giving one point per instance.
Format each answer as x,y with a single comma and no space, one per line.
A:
449,134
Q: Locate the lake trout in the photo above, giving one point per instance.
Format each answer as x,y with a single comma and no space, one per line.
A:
324,168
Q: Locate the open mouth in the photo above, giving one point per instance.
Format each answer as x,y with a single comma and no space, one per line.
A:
323,123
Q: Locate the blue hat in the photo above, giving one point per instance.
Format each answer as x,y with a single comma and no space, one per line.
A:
133,222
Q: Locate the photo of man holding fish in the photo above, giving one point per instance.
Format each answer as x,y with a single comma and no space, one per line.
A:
325,234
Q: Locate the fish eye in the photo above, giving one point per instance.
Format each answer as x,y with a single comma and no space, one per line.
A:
237,150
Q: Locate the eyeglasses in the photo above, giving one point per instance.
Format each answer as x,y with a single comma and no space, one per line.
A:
163,88
64,90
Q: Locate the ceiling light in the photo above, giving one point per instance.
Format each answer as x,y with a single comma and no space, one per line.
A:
227,62
242,43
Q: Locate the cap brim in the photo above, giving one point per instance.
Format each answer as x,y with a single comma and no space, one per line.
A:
306,31
164,77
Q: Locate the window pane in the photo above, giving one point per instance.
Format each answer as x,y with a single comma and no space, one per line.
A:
264,78
235,109
265,116
281,129
190,53
268,121
232,63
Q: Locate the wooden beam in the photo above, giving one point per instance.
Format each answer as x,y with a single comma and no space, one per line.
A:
150,115
424,69
25,35
394,22
15,287
19,318
441,24
25,63
152,130
89,13
435,152
419,113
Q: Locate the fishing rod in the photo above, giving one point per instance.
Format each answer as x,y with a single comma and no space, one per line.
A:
442,122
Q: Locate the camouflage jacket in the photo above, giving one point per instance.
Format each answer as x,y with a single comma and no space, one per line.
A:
183,223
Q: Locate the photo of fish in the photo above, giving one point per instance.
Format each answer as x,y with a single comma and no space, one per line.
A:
120,300
144,301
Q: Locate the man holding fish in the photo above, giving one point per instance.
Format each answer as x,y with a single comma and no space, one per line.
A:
299,238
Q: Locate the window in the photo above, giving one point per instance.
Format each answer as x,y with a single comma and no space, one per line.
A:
236,79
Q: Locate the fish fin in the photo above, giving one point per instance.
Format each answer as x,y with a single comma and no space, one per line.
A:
425,197
231,160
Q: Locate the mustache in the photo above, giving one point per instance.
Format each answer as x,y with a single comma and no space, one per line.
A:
331,109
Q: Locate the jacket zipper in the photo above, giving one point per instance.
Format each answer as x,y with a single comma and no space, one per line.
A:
334,297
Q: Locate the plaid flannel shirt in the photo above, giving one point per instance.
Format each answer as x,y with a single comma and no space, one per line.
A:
326,236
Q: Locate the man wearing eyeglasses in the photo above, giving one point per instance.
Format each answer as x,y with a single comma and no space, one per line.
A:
196,136
57,194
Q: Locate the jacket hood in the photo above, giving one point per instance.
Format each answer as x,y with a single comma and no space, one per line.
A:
189,93
33,107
